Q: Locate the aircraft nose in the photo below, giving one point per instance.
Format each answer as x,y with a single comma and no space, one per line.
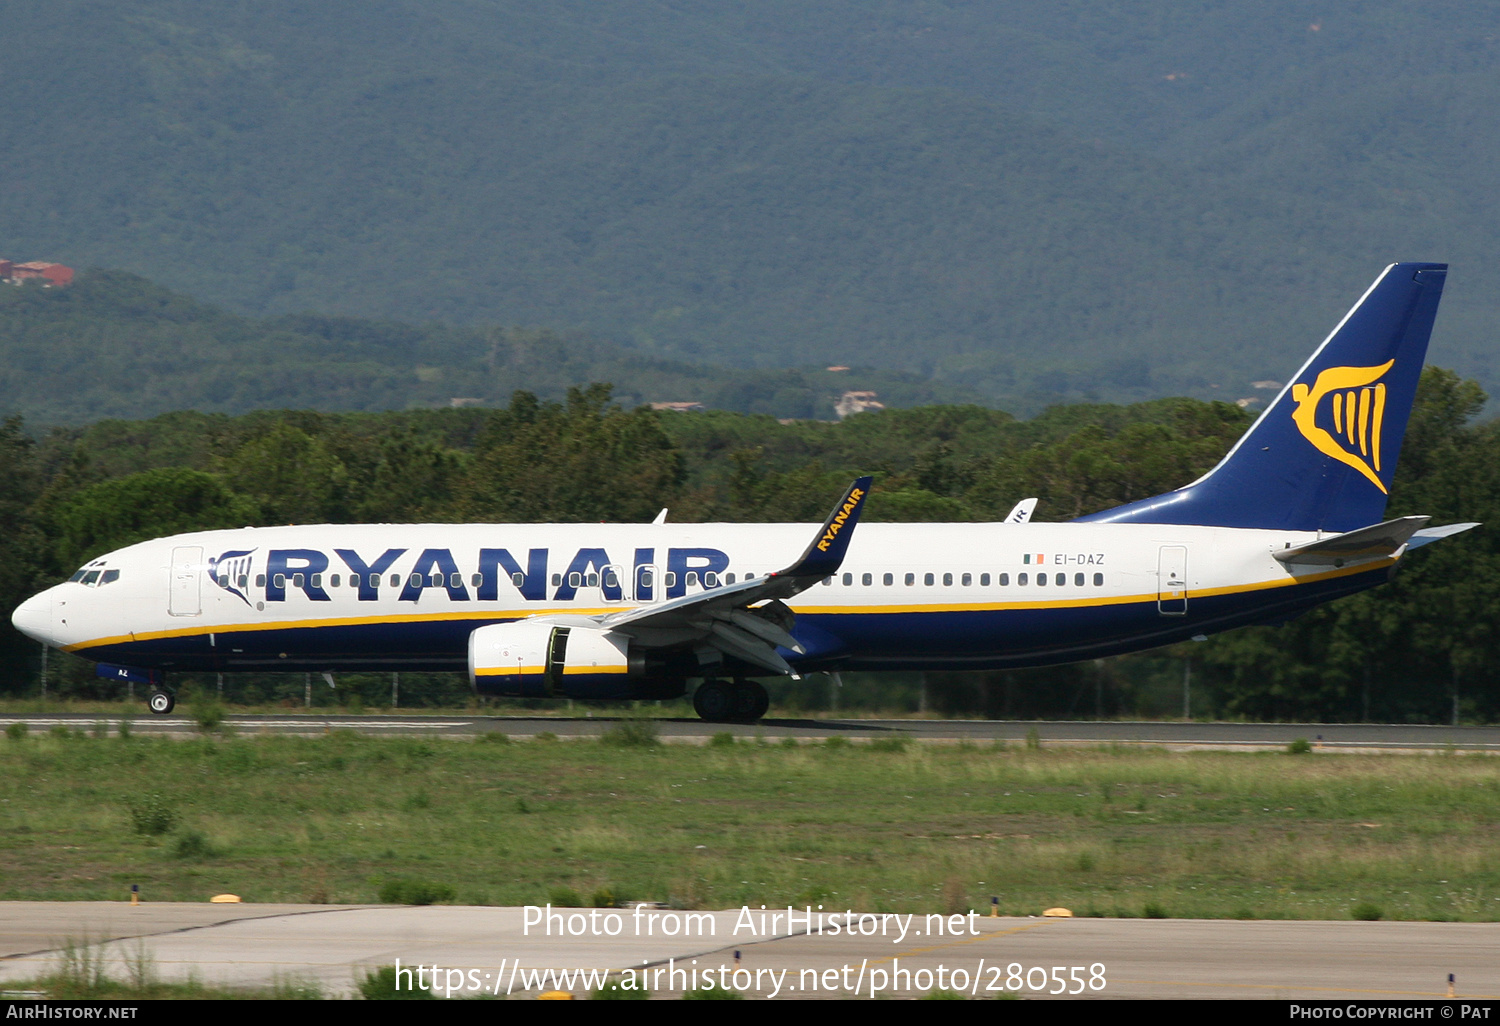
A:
33,617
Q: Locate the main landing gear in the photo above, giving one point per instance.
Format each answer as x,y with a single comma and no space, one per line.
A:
740,701
162,702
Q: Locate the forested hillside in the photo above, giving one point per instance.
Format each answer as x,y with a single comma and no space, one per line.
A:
1038,202
1409,650
115,345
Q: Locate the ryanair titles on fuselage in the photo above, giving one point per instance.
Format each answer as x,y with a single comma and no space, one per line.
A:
308,570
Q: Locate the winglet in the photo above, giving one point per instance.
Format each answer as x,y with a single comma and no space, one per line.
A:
826,553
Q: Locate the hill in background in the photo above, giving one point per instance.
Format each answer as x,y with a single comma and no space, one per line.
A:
1037,202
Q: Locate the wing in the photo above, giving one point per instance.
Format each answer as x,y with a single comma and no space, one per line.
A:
723,618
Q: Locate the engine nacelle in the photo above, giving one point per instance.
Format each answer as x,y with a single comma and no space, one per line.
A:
552,659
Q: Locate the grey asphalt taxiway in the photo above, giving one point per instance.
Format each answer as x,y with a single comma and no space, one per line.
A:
494,951
1169,734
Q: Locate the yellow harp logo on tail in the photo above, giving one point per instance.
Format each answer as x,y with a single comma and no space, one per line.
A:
1355,416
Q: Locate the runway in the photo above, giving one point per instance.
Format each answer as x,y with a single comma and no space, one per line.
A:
1169,734
505,952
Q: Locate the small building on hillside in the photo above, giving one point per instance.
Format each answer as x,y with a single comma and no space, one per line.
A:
45,271
678,407
856,402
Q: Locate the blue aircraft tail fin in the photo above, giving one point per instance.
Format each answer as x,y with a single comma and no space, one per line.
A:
1323,454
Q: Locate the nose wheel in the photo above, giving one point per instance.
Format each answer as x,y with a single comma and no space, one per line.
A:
162,702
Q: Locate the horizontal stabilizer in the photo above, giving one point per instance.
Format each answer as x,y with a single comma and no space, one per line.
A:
1428,535
1374,542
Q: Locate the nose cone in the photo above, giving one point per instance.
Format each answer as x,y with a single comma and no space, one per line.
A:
33,617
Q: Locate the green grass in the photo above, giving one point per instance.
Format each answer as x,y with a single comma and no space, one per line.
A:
929,828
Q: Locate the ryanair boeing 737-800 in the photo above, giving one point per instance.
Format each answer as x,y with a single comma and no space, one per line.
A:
1290,518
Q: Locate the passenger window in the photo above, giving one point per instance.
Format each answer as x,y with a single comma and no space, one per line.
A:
670,580
1078,580
848,580
244,582
475,580
593,581
888,580
518,579
928,579
455,580
710,579
297,580
729,578
280,580
1023,579
260,580
1060,579
1041,580
415,581
645,578
827,581
984,580
556,580
749,577
436,580
1098,580
911,579
968,579
867,580
223,582
317,580
333,581
575,580
610,581
395,580
947,580
691,578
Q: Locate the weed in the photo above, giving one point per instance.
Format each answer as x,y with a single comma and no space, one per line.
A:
888,744
1299,746
1033,740
1242,913
383,985
406,891
152,814
16,731
789,742
1154,910
723,739
124,730
192,844
1086,862
632,733
206,711
494,737
1367,911
603,897
100,730
955,896
837,743
564,897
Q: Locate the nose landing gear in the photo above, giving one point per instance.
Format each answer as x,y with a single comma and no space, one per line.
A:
162,702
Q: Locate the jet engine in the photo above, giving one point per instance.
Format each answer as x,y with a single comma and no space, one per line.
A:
552,658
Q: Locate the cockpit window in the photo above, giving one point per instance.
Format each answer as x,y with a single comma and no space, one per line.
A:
110,577
78,576
91,577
